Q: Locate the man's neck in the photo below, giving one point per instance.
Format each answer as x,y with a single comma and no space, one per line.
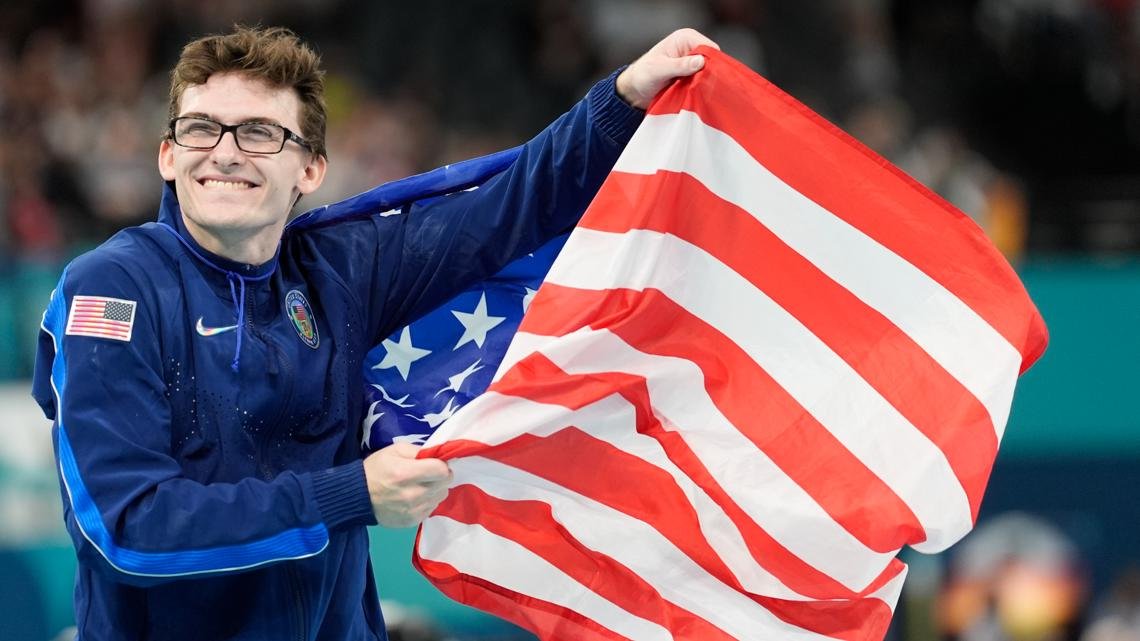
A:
251,247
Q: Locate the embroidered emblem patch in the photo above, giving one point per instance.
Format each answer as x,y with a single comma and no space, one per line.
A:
101,317
301,314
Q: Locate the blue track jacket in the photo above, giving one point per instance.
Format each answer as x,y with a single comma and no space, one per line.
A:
210,465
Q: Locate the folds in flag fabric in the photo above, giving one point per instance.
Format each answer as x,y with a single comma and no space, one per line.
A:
764,362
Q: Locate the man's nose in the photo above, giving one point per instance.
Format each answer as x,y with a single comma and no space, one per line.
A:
227,150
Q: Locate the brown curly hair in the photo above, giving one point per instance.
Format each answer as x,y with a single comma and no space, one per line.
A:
274,55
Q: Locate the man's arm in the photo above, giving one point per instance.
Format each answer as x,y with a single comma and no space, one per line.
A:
556,177
129,508
439,248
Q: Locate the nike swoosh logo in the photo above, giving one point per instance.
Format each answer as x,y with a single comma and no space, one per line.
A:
212,331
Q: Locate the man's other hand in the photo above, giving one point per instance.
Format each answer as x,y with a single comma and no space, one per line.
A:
667,60
404,490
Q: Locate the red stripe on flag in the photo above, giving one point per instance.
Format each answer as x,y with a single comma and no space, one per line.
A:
833,169
549,621
929,397
810,455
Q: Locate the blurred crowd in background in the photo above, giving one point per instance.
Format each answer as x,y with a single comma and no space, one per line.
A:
1023,113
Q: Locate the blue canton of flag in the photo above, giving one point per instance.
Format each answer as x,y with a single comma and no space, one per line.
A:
423,373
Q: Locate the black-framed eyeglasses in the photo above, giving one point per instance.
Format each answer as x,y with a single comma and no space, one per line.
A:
251,137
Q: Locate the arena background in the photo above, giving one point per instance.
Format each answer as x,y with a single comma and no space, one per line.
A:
1024,113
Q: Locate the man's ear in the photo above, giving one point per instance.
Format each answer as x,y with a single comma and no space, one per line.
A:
313,174
166,160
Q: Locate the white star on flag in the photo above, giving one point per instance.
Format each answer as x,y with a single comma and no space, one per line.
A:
369,421
414,439
398,402
455,381
528,298
401,355
476,324
434,419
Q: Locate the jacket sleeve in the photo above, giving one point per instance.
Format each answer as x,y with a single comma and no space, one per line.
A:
127,506
448,244
403,266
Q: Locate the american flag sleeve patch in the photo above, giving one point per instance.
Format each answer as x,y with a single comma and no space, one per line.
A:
101,317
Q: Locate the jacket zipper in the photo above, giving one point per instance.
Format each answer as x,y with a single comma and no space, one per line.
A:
278,355
285,371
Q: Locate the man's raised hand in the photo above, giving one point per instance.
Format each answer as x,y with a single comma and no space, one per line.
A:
666,61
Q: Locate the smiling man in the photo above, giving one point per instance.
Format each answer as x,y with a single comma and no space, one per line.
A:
203,371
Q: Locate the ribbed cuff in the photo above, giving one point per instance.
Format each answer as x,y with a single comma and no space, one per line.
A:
614,117
342,496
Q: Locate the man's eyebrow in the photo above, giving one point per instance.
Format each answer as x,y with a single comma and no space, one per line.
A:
256,119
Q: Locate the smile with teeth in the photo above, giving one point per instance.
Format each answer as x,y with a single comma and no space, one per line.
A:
211,183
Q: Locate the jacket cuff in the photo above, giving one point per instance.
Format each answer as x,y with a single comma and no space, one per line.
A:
342,496
613,116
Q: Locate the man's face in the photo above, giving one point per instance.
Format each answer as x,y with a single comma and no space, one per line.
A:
229,196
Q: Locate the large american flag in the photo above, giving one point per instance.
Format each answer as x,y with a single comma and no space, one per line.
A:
764,362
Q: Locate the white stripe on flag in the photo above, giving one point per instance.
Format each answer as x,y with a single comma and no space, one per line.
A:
949,330
751,479
494,418
473,550
654,559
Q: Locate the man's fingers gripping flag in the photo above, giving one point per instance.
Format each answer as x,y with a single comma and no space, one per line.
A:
764,362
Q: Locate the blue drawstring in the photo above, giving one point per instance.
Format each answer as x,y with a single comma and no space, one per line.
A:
238,300
236,297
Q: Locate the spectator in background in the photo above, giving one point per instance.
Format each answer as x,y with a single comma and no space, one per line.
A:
1015,578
